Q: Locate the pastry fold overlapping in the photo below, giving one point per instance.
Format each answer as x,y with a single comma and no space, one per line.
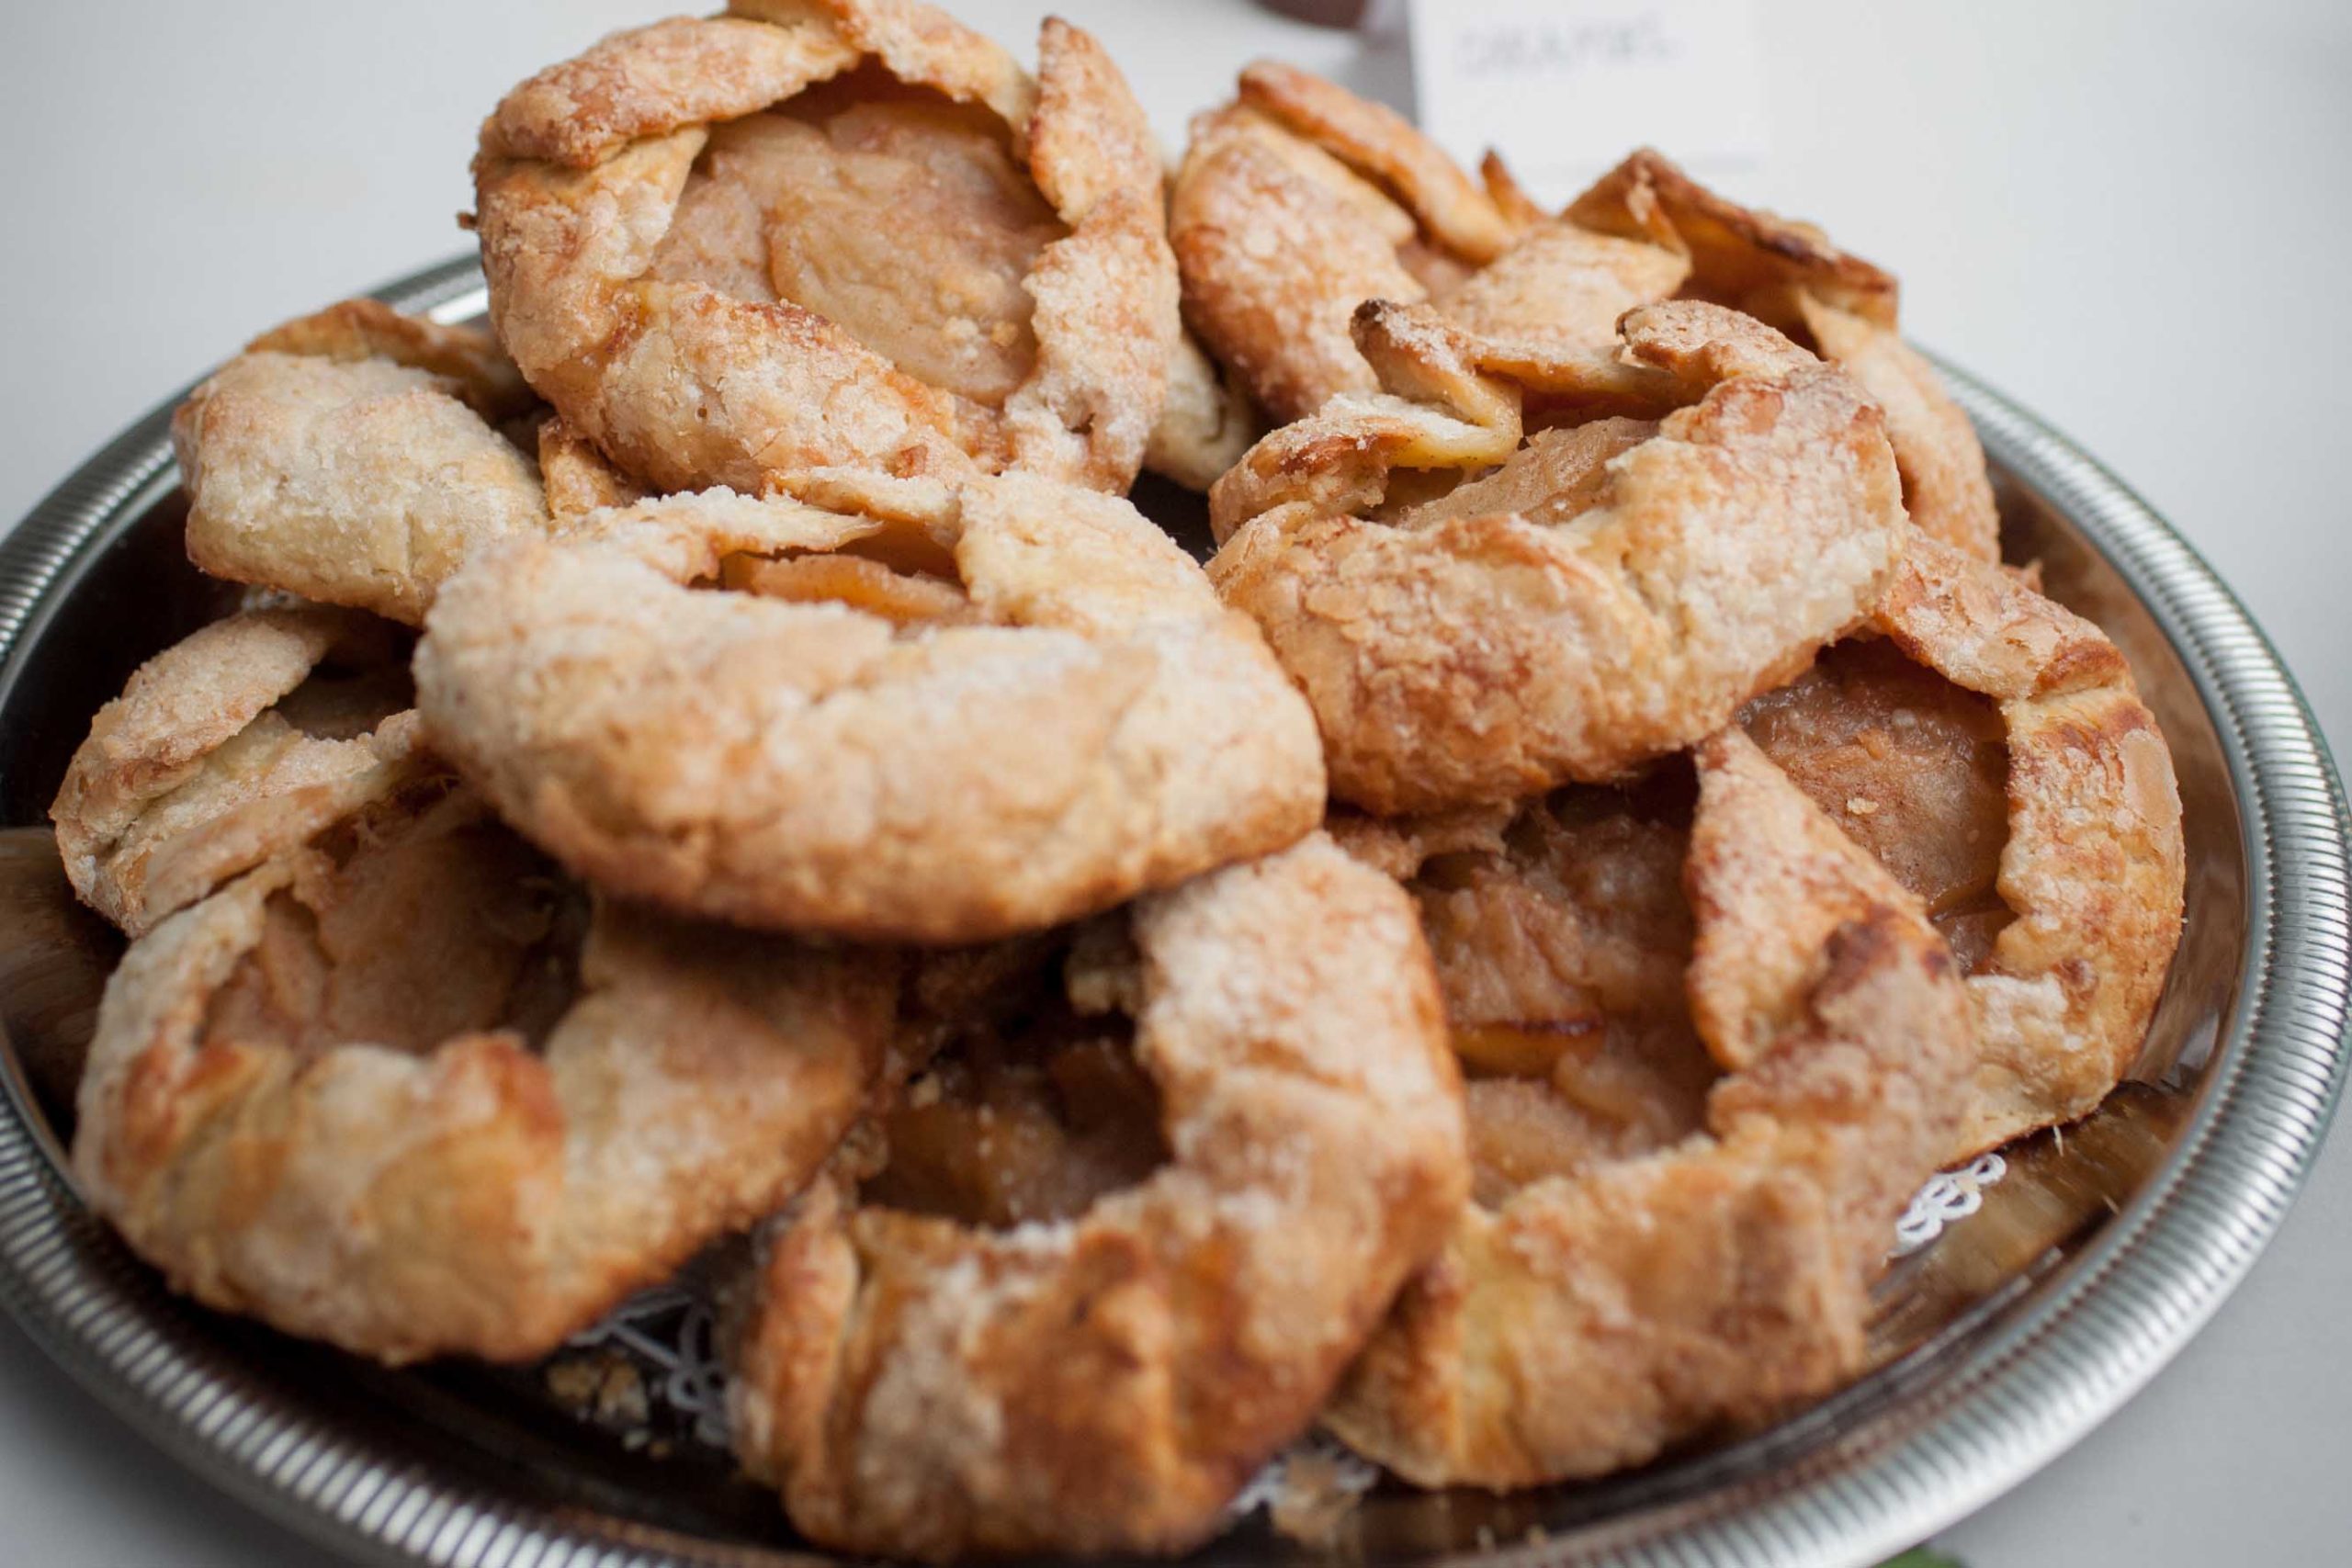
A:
405,1090
1688,1273
1105,1380
1498,574
730,249
1299,201
928,711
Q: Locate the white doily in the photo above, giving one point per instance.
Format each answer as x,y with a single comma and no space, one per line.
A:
1954,1195
1340,1470
667,1333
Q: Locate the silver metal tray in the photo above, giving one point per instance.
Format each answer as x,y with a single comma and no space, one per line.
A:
2087,1267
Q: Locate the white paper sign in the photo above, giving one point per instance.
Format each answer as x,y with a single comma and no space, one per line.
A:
1564,88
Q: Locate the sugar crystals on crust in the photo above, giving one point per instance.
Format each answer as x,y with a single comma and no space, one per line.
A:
1834,302
354,457
1296,203
403,1091
2032,798
239,741
1582,1320
732,249
1475,618
924,711
1105,1380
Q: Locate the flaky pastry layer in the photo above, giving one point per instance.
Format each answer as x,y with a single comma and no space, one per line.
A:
579,179
1092,724
197,773
353,457
1610,593
378,1094
1592,1318
922,1387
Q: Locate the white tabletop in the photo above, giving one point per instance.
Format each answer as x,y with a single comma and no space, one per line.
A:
2131,217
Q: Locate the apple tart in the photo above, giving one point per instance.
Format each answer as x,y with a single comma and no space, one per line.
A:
924,711
1990,748
732,249
1079,1314
1506,571
1667,1239
407,1090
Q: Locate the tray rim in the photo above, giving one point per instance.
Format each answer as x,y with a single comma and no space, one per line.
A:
2120,1313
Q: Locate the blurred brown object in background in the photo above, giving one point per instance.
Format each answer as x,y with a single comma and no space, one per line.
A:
1322,13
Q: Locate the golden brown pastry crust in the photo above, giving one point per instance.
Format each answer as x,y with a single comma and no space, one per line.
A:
193,774
1296,204
351,457
2094,868
470,360
1299,201
1458,658
925,1388
1560,291
1098,725
372,1160
1946,489
577,475
1735,251
1276,243
1595,1317
580,176
1383,147
1790,275
1510,197
1207,424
